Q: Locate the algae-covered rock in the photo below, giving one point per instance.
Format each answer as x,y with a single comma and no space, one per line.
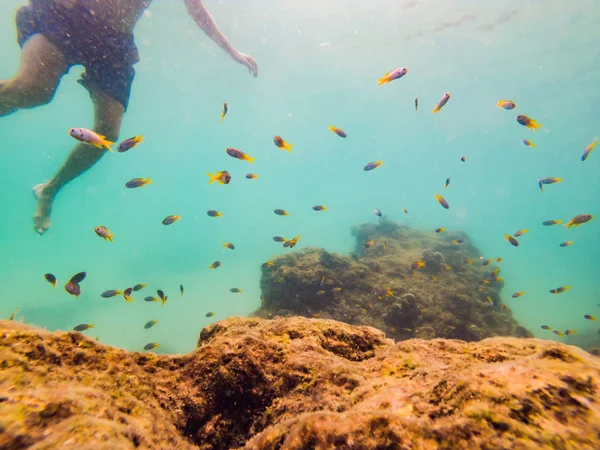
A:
294,384
456,294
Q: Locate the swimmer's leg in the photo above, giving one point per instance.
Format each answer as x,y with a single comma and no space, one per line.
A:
109,114
42,66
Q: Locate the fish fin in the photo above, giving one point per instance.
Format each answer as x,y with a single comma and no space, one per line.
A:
436,109
287,146
147,181
383,80
212,177
110,237
139,138
250,159
106,144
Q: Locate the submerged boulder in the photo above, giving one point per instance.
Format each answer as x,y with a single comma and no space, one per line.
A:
409,283
296,383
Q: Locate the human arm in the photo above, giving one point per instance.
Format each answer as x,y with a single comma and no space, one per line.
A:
205,21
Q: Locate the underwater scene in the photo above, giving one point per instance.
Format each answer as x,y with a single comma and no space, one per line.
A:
223,215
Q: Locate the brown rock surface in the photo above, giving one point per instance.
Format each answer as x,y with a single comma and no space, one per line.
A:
296,383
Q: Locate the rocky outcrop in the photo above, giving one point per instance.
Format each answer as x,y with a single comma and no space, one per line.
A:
296,383
455,295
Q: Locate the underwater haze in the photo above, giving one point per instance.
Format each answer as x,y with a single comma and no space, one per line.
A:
319,63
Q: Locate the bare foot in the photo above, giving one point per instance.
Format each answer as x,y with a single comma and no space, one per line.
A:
41,218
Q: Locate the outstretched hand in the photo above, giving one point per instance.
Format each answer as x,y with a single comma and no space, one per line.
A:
247,61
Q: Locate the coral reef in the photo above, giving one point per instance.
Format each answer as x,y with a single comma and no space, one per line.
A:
455,295
296,383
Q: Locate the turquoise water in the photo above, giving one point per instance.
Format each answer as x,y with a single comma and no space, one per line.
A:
318,64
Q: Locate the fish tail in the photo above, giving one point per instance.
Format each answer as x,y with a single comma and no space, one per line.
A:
383,80
534,125
212,177
531,144
287,147
249,158
110,237
139,138
436,109
147,181
105,143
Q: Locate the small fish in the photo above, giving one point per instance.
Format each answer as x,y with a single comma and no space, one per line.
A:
111,293
336,289
213,213
494,274
393,75
385,245
150,324
251,176
319,208
162,296
499,259
441,201
447,183
565,244
405,210
291,243
511,239
416,103
588,149
180,290
14,314
549,180
528,143
548,223
138,182
484,282
320,293
91,137
222,177
417,265
468,261
280,212
589,317
151,346
506,104
103,232
341,133
322,281
139,287
463,158
440,230
517,294
487,261
224,113
389,292
128,144
558,333
235,290
78,277
372,165
441,103
378,213
150,299
281,144
458,241
83,327
578,220
279,239
370,243
570,331
238,154
127,294
170,219
209,314
215,265
528,122
520,232
50,279
546,327
267,264
490,300
229,245
560,289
